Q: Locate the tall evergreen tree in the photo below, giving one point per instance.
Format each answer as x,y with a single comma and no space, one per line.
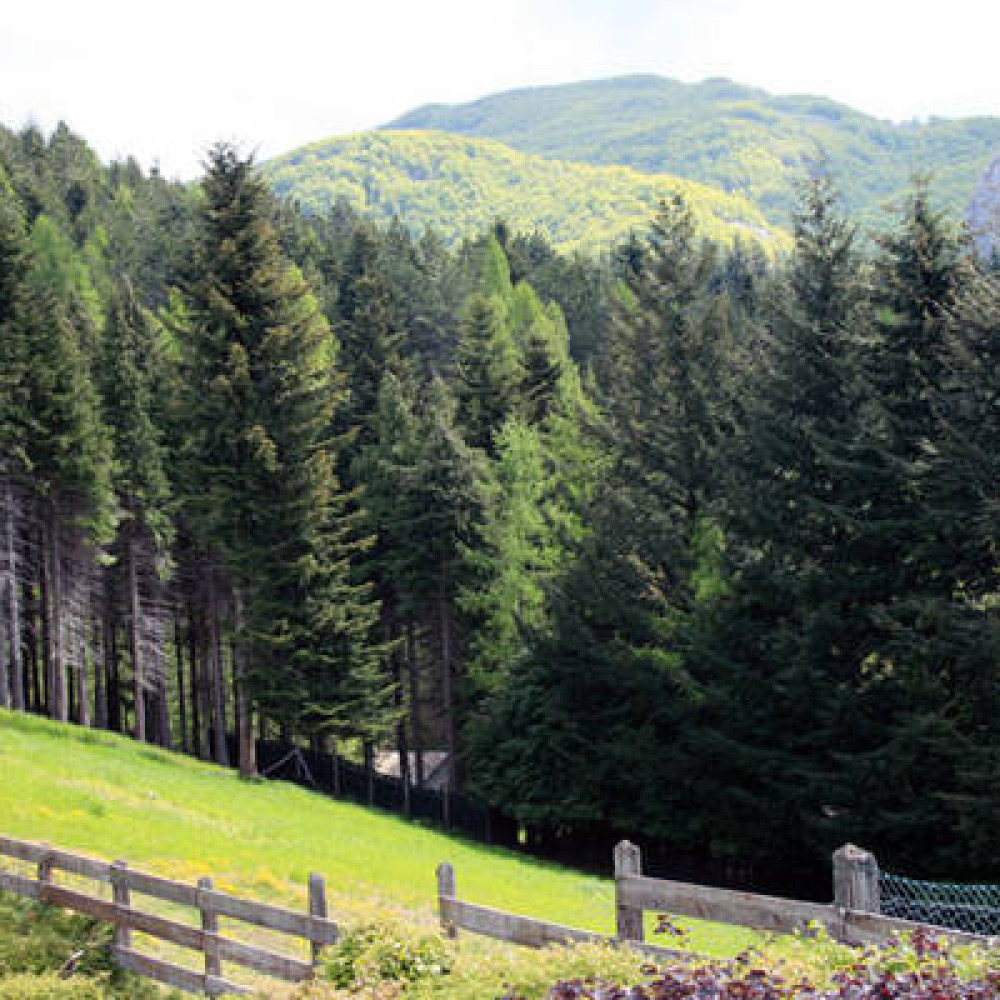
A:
265,391
143,491
782,648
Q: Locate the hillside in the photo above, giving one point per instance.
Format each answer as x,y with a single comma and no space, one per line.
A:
460,186
105,795
733,137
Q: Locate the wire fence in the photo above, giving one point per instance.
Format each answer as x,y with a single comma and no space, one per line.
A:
965,907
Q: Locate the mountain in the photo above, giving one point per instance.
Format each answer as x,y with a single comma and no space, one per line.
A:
460,186
737,138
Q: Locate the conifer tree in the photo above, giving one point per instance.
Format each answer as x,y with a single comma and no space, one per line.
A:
487,371
68,451
143,491
779,652
266,492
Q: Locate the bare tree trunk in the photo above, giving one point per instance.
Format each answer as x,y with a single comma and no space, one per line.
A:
164,734
218,688
199,742
100,676
14,611
4,671
369,754
135,643
181,703
244,716
82,681
413,670
446,695
113,673
58,693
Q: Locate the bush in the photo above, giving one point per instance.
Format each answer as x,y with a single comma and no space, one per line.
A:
385,951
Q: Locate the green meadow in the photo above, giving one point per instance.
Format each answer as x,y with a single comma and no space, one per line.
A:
105,795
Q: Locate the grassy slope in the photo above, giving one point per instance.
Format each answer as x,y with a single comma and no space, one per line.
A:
733,137
101,794
460,186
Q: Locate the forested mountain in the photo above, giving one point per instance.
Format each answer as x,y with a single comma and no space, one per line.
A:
675,540
460,186
733,137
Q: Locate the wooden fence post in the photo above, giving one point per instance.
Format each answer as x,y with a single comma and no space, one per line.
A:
446,890
317,908
45,867
855,880
210,925
121,897
628,919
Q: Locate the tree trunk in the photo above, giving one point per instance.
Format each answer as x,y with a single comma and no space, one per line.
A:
218,689
199,745
181,703
4,669
244,716
100,676
135,643
369,755
164,735
113,673
402,749
82,681
446,695
57,688
335,766
14,610
413,669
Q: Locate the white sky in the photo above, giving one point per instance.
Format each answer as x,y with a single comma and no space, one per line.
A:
163,80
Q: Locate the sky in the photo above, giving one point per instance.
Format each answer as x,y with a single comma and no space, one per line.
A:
163,81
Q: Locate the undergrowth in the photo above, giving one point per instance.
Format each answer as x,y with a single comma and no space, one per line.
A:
49,954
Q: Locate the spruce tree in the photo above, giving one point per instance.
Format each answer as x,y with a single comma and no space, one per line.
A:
143,490
778,653
487,372
265,491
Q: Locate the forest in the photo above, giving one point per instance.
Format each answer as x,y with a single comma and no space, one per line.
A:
459,186
735,138
677,539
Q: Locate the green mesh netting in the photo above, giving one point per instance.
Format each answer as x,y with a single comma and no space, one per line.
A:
970,907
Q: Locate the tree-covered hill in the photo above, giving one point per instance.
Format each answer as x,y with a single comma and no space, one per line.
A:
740,139
460,186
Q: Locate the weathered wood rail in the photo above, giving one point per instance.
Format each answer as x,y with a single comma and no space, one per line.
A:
852,917
211,904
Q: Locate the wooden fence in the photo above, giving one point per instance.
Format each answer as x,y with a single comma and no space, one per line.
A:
852,916
210,904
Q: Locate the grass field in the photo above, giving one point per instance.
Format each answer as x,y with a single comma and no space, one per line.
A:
91,791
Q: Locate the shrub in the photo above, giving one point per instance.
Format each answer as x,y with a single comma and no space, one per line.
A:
385,951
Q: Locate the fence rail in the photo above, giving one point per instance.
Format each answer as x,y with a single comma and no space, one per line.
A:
852,917
211,904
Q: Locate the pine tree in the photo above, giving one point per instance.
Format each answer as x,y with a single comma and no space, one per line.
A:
487,371
143,491
778,653
266,494
69,458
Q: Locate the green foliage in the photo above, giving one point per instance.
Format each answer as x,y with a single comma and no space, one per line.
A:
386,952
460,186
262,396
732,137
39,942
